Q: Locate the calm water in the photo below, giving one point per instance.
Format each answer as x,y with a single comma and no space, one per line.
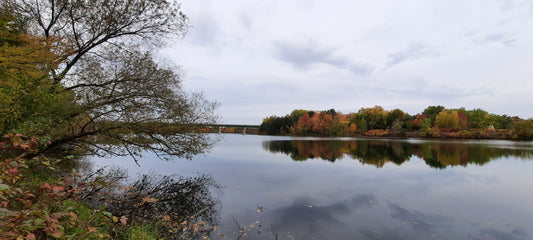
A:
320,188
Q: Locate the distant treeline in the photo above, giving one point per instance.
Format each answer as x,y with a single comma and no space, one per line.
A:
434,121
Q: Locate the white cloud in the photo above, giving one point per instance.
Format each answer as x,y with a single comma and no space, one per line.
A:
268,57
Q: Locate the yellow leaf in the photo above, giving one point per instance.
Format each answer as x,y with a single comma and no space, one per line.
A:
149,200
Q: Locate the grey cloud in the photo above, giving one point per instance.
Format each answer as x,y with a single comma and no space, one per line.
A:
204,31
304,56
506,39
508,5
413,51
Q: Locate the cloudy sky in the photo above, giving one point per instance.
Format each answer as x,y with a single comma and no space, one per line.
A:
267,57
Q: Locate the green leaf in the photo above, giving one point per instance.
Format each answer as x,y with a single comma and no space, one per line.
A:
4,187
56,234
39,221
107,214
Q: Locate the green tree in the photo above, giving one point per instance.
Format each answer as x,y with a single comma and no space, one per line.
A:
523,129
274,125
478,118
501,121
296,114
376,117
363,125
431,112
395,119
425,126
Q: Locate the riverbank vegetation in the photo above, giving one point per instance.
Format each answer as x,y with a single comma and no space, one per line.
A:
74,74
434,121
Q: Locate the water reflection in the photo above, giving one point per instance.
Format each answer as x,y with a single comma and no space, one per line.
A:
269,196
378,153
317,221
182,207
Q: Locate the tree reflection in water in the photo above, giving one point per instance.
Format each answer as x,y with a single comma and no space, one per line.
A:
181,208
378,153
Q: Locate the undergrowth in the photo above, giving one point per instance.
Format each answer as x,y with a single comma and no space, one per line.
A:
37,201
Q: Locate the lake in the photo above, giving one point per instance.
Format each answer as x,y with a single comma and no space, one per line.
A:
345,188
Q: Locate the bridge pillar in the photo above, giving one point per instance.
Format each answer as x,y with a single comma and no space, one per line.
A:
244,131
219,129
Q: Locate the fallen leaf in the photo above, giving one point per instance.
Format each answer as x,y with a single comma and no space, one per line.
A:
124,220
149,200
73,215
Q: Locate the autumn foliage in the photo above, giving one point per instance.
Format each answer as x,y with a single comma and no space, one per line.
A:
434,121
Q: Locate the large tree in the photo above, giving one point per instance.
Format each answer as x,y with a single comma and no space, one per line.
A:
103,55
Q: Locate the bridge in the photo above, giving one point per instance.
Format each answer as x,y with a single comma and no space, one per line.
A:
234,126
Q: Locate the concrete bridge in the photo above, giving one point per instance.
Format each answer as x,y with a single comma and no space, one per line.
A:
234,126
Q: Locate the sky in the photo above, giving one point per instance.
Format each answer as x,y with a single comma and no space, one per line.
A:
259,58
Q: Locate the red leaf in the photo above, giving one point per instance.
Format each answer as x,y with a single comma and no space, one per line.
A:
124,220
58,188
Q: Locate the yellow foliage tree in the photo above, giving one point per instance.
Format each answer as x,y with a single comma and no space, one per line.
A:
447,119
